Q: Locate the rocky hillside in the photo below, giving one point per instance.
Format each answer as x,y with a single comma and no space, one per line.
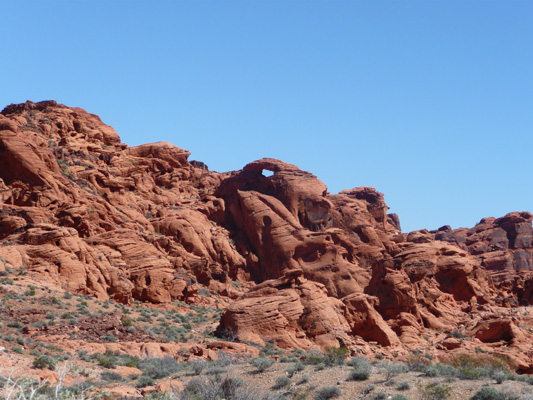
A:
288,262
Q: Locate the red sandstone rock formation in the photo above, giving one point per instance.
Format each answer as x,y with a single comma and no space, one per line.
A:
290,262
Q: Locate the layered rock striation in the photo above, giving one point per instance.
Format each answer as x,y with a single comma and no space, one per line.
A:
288,261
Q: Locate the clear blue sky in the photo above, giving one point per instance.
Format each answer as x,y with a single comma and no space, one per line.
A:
431,102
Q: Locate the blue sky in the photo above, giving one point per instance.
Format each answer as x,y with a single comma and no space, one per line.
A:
431,102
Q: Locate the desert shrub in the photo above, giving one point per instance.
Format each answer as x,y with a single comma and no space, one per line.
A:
144,381
216,388
399,396
313,357
489,393
281,382
109,338
130,361
215,370
270,349
335,355
320,367
157,368
229,386
262,363
108,360
293,369
298,353
380,396
303,379
159,396
327,392
225,359
481,360
393,369
501,376
458,334
361,369
44,362
434,391
473,373
197,366
439,369
35,353
15,324
369,388
111,376
17,349
405,385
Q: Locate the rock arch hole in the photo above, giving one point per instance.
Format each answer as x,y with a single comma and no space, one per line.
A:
267,173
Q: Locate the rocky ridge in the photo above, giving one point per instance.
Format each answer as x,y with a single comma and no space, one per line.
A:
288,262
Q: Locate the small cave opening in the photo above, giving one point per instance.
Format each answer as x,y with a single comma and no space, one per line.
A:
267,173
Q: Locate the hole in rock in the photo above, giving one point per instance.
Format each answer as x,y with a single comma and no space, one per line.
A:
267,173
267,221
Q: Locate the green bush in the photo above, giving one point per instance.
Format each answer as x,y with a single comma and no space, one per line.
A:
481,360
361,369
439,369
145,381
293,369
405,385
488,393
393,369
313,357
501,376
399,396
218,388
130,361
328,392
107,360
473,373
197,366
215,370
434,391
270,349
262,363
335,355
157,368
43,362
281,382
111,376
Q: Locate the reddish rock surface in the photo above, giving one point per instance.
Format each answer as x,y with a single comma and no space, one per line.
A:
289,262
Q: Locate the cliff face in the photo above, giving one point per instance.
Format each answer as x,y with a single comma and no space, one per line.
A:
288,261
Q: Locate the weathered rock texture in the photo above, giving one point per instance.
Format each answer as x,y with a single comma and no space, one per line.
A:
288,261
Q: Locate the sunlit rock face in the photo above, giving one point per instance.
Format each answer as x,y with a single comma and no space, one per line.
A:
288,261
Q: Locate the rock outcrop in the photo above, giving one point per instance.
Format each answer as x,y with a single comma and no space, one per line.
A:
290,262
